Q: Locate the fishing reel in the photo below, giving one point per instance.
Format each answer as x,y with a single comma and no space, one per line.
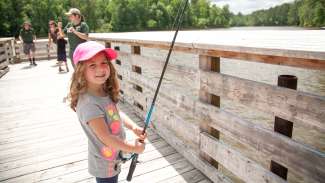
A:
124,156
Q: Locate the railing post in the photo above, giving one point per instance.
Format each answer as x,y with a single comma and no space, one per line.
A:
283,126
141,107
107,44
48,51
13,51
207,63
4,59
17,50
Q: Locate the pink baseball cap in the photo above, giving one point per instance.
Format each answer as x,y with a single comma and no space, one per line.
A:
87,50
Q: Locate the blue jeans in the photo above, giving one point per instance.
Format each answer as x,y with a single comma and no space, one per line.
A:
107,180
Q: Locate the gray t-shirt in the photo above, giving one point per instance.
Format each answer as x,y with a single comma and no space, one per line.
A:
103,161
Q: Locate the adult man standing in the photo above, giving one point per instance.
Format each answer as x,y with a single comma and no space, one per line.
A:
27,37
77,30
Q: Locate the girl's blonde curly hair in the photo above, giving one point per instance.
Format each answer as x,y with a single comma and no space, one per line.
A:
79,84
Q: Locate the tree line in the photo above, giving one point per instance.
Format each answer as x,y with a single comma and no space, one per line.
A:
305,13
140,15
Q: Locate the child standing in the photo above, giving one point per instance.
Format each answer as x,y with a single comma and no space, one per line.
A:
94,93
61,53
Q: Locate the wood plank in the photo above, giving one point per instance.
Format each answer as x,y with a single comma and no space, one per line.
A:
39,150
294,58
4,64
187,104
24,144
204,181
70,150
4,71
144,168
244,168
153,151
10,125
177,122
295,156
3,58
192,176
179,166
5,175
148,62
51,172
292,105
81,149
191,154
36,135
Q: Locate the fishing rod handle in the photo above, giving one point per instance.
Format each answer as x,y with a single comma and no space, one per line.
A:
132,167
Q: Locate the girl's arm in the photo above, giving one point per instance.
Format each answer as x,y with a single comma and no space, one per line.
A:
127,121
99,127
130,124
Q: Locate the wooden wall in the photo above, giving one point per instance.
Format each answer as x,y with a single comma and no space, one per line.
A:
223,145
6,54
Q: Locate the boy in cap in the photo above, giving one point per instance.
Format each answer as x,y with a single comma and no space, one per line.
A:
27,37
77,30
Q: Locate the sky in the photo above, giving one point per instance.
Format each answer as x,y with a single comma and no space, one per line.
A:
248,6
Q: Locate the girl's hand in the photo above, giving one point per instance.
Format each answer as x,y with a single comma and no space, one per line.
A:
139,146
138,132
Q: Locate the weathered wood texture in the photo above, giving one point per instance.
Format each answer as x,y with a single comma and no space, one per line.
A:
245,168
179,112
6,55
216,45
288,104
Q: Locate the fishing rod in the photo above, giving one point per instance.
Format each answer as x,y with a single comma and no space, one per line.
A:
178,22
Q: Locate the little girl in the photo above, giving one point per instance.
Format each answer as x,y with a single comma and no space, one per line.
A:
94,93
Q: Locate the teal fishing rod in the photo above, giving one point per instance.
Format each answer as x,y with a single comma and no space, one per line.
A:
178,22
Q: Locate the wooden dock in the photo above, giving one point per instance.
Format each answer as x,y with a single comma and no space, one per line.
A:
221,108
41,139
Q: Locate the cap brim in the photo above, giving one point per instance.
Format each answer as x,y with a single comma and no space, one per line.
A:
68,13
110,54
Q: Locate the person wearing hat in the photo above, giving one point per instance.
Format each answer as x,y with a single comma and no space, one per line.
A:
77,30
27,37
94,96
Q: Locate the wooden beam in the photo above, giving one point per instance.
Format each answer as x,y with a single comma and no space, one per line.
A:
246,169
292,105
191,154
4,71
293,58
307,162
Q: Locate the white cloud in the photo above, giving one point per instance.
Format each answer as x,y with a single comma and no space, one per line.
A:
248,6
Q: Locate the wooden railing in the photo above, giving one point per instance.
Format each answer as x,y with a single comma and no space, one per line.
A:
43,52
222,144
11,52
6,54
